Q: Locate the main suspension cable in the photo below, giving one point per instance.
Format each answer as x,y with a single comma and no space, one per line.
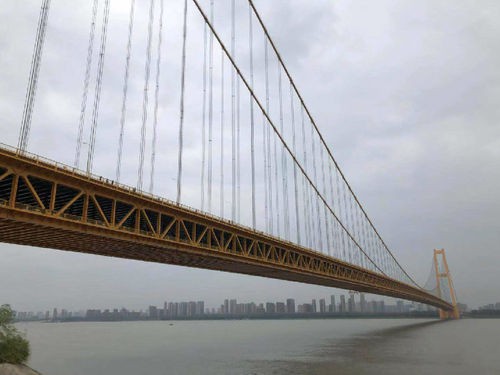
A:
266,32
271,123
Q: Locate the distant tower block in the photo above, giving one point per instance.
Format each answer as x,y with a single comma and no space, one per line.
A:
443,276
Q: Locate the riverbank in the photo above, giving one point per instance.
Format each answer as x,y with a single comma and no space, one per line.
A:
8,369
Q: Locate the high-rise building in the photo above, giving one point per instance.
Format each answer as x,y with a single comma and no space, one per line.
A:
381,306
351,305
362,302
332,304
250,308
92,315
232,306
165,310
322,306
225,310
191,308
183,309
305,308
270,308
200,308
313,304
290,306
153,312
342,307
260,309
240,308
173,309
280,307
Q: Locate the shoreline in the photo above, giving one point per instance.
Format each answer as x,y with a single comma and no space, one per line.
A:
17,369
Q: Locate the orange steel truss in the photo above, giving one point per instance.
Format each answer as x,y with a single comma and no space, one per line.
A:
46,204
445,313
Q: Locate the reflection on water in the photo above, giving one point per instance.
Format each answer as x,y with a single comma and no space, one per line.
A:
344,346
431,347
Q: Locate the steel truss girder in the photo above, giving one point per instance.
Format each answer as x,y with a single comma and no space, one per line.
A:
47,205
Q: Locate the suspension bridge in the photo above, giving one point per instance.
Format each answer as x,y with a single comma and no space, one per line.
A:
242,180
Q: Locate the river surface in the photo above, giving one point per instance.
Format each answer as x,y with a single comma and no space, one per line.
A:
278,347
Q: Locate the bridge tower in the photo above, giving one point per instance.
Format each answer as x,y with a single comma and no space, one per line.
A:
443,276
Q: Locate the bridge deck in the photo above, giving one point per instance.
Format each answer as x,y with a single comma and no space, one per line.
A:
48,205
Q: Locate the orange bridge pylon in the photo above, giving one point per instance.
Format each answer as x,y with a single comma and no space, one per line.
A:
443,275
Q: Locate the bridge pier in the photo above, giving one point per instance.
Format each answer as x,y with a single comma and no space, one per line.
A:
453,314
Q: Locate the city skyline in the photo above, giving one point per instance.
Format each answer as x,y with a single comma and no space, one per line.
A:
341,304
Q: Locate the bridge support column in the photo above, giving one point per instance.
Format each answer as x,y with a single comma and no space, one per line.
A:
444,273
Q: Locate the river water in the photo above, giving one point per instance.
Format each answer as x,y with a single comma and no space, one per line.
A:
278,347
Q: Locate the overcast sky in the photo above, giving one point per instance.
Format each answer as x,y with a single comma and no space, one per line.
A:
405,93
